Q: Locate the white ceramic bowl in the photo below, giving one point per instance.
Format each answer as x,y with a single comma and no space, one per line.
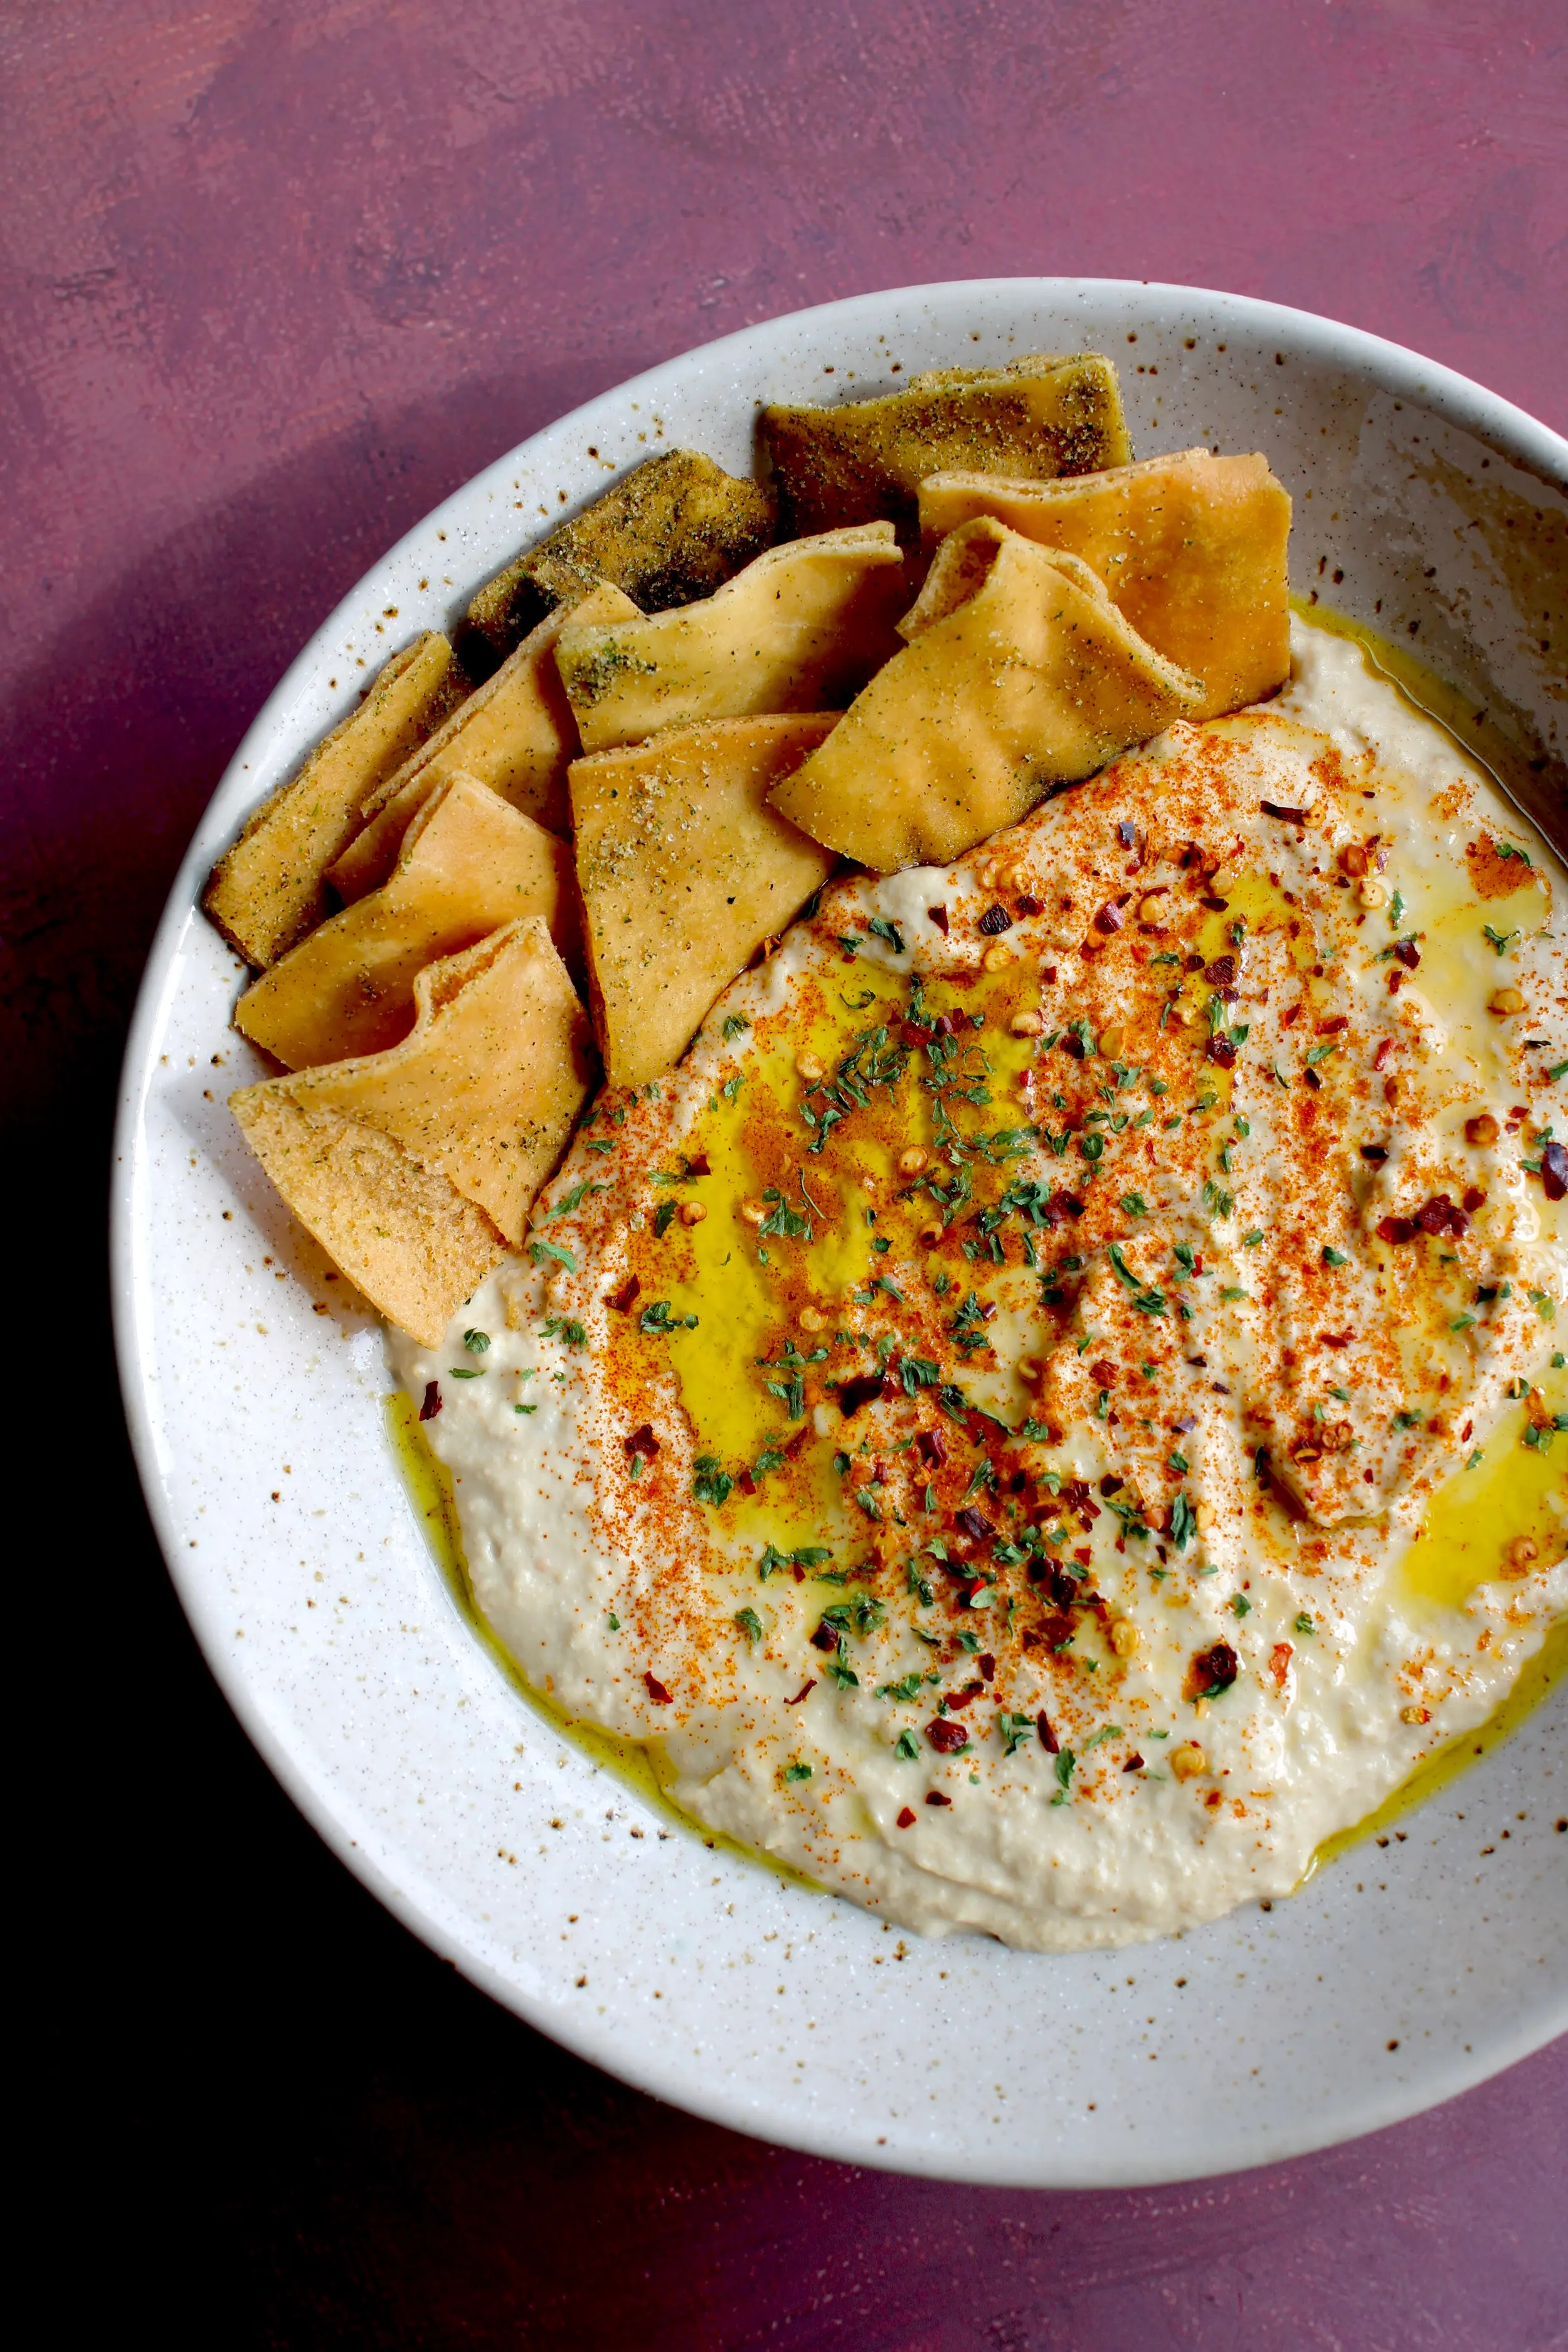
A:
1396,1978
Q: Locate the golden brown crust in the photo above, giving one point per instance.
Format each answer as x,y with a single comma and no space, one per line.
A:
675,528
864,461
270,888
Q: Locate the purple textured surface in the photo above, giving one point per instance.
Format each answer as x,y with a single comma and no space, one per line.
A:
274,277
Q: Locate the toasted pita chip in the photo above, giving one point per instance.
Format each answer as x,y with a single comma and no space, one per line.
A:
480,1099
1192,549
1029,681
271,887
685,871
801,628
1035,417
469,864
404,1234
673,530
516,734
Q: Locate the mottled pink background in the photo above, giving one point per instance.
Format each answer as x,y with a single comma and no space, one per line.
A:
276,275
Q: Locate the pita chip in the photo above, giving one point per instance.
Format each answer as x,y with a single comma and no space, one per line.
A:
1020,674
470,865
269,889
414,1169
1034,418
1192,548
801,628
670,530
516,733
685,872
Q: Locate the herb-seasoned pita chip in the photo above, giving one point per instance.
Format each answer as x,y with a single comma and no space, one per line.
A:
685,871
673,530
1192,548
386,1158
1031,680
801,628
468,865
516,734
1035,417
271,887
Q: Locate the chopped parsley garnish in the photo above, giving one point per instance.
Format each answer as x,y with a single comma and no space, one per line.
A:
733,1025
1241,1604
749,1623
541,1250
1502,940
475,1343
1184,1522
656,1321
1304,1624
908,1746
465,1372
1407,1421
881,929
1333,1256
567,1328
1013,1729
1133,1204
662,1217
712,1482
1064,1767
797,1771
1220,1201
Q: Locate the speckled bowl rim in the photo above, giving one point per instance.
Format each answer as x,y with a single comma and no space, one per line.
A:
1384,367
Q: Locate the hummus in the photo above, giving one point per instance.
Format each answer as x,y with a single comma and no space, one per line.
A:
1046,1416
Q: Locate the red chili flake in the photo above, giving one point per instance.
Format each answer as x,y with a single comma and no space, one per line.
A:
935,1797
798,1441
642,1441
1134,1763
974,1523
946,1738
1047,1736
1475,1199
1083,1556
1214,1670
1109,919
1555,1172
1104,1372
1074,1047
746,1483
861,1389
1287,1018
914,1032
1048,973
432,1404
1383,1053
805,1692
906,1819
621,1299
1218,905
1221,1050
1030,906
995,921
1188,1420
1396,980
1395,1230
1376,1152
1314,1081
1222,972
1331,1028
1110,1484
939,917
826,1636
987,1666
963,1698
1408,954
1336,1338
1285,815
798,1573
656,1690
945,1024
932,1447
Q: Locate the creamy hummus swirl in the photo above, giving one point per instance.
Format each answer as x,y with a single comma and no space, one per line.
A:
980,1417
